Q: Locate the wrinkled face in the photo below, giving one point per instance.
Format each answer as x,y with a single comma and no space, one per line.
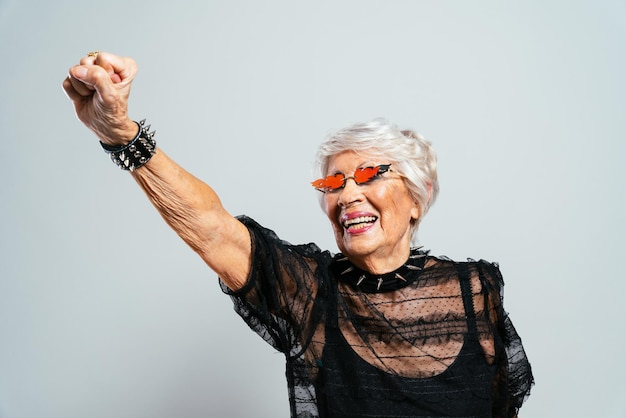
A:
371,221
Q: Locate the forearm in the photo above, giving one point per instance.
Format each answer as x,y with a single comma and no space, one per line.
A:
181,199
194,211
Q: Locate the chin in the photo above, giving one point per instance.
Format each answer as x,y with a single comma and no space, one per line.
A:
357,249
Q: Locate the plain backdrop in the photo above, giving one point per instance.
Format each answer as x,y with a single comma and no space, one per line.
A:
105,313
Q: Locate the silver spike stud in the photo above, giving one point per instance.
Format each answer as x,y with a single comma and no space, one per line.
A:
348,270
360,279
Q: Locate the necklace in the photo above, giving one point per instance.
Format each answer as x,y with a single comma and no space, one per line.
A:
367,282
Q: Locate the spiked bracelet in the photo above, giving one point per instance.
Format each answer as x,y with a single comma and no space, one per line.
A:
137,152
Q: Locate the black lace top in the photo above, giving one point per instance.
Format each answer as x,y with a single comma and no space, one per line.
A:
430,339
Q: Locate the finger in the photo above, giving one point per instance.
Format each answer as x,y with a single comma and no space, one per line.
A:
89,59
71,91
87,78
79,86
120,69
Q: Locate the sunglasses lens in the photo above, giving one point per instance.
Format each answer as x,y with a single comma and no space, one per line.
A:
329,183
319,184
335,182
363,175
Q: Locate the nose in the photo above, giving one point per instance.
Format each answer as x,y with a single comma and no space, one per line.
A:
350,194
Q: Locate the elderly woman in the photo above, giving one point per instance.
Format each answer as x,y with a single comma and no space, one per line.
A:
379,329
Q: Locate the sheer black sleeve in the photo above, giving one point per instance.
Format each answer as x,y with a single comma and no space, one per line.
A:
514,377
277,301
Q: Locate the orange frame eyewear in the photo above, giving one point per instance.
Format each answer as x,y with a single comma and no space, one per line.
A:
361,176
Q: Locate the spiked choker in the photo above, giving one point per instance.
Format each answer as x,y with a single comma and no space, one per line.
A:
367,282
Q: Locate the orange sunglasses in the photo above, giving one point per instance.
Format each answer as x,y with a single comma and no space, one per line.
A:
360,176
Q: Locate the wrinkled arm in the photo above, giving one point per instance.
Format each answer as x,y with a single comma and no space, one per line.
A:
99,88
195,212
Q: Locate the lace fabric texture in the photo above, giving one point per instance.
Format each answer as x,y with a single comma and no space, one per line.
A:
423,349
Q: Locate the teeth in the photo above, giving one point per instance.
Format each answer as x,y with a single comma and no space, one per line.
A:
359,220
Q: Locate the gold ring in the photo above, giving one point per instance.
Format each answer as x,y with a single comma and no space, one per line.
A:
93,54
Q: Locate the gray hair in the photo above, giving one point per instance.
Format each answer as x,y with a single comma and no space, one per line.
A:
410,154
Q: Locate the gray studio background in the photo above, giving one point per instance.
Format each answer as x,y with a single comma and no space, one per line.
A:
105,313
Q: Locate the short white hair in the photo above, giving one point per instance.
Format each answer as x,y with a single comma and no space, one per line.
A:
410,155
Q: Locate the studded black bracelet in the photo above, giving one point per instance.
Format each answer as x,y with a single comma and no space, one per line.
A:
137,152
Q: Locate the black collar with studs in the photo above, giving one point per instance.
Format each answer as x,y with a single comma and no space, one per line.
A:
364,281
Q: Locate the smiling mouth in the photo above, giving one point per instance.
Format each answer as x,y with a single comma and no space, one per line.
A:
359,223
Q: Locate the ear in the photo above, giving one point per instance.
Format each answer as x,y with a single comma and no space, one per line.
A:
415,211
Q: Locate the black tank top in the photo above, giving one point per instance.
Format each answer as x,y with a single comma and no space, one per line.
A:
349,386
